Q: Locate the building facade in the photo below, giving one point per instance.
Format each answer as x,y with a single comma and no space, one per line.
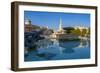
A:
27,26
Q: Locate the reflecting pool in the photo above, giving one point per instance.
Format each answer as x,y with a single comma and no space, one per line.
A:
52,49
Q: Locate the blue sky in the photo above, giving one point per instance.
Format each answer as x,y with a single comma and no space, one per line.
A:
52,19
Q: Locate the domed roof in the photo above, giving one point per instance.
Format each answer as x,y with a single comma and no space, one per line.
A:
27,22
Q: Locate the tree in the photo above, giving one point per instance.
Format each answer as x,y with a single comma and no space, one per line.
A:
68,29
84,32
89,31
76,32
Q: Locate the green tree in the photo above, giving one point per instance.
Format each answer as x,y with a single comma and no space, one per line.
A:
68,30
89,31
84,32
76,32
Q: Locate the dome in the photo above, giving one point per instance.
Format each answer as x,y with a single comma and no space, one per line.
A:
27,22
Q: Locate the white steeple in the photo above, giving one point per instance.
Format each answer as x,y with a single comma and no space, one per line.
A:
60,25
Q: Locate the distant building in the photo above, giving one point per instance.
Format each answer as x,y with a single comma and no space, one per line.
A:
80,27
27,26
61,32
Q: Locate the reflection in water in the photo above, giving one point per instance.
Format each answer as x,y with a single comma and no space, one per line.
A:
52,49
47,55
45,43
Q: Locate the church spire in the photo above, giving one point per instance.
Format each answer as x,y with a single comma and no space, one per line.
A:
60,25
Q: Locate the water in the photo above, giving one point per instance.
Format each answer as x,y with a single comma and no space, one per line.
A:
52,49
